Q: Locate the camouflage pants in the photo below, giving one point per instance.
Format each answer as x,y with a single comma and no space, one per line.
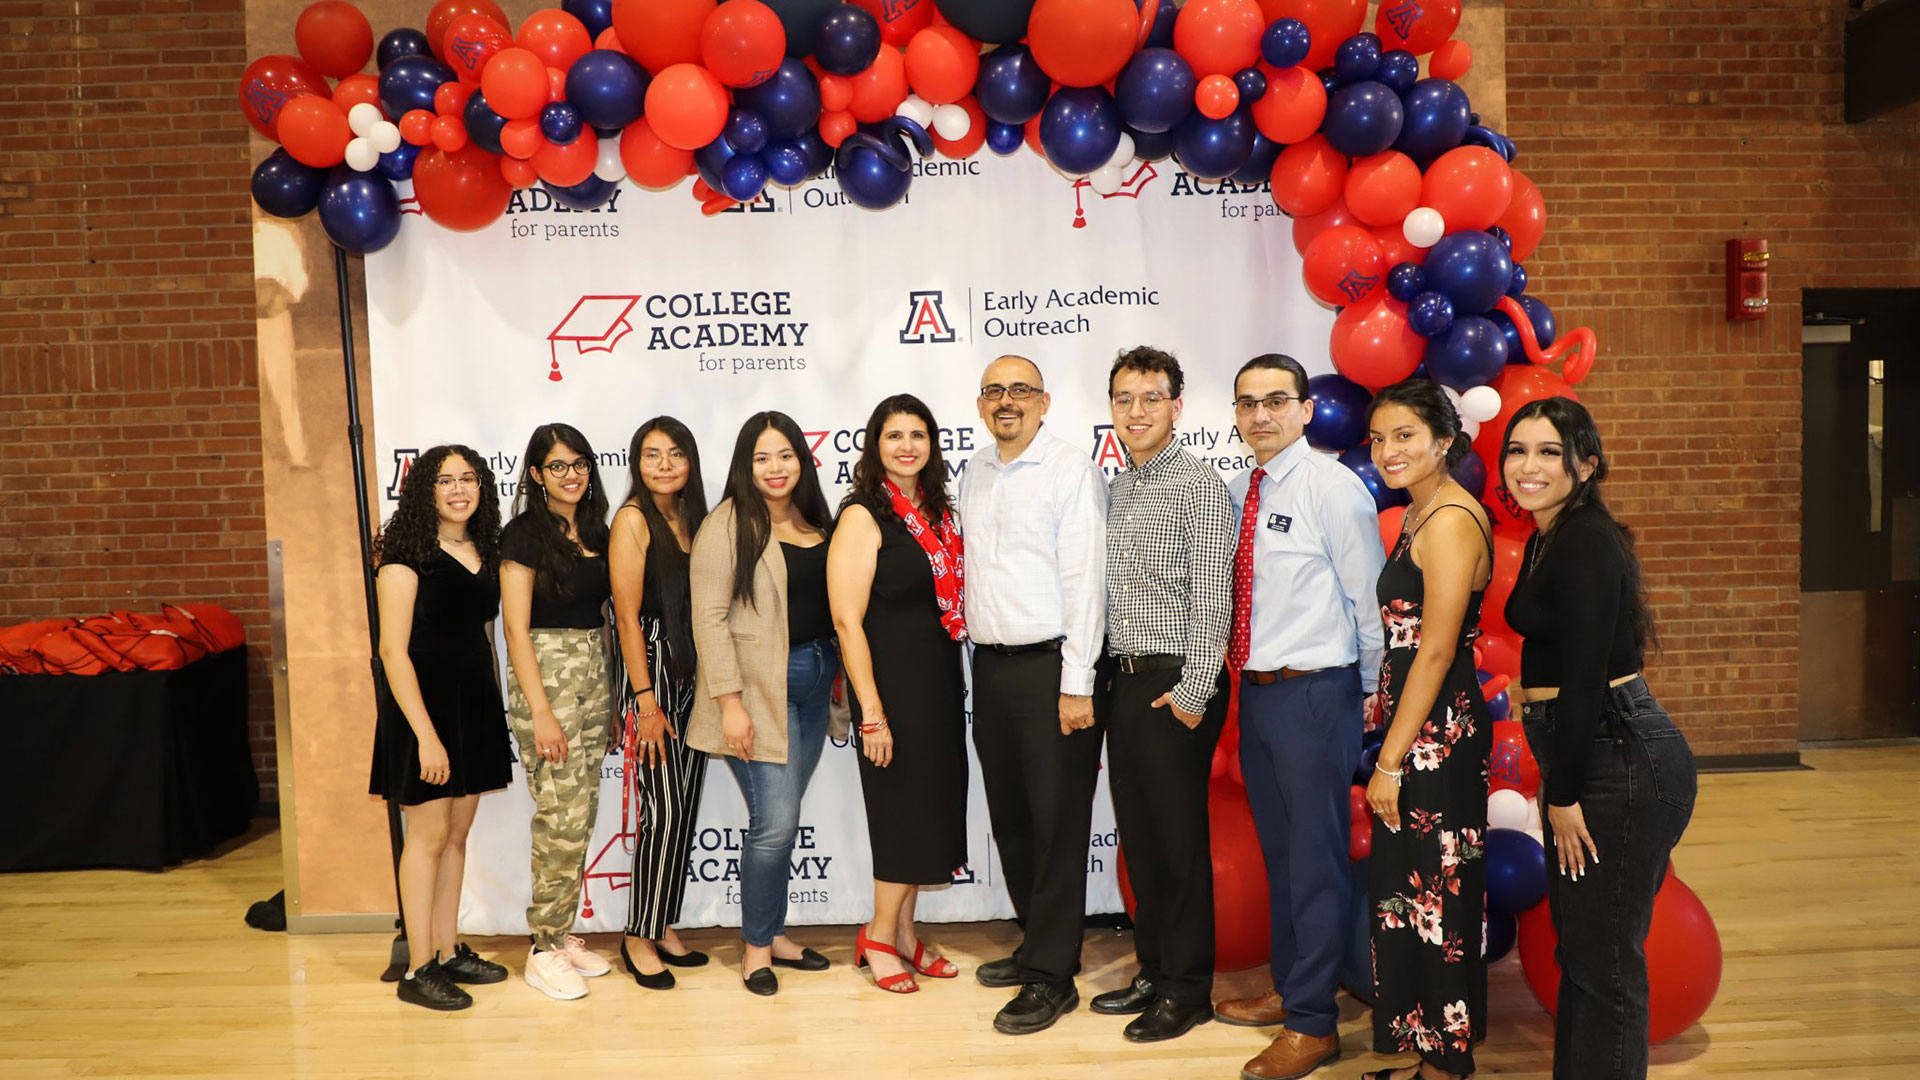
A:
566,794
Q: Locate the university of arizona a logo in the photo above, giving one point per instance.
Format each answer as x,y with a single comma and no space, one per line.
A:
1356,285
1108,453
402,465
927,321
1402,16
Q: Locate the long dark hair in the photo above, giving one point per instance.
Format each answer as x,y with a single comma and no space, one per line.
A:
413,532
557,553
1430,403
666,563
1580,441
870,476
752,527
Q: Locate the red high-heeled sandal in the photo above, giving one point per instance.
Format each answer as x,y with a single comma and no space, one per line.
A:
893,984
940,968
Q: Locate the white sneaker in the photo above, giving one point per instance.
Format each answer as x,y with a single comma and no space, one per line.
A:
552,974
585,960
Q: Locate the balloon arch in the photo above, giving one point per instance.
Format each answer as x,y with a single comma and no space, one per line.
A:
1408,215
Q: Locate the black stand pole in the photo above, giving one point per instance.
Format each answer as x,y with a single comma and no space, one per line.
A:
398,960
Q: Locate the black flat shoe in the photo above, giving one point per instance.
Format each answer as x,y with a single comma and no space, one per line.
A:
1036,1008
763,982
429,988
809,961
467,966
998,973
659,980
1132,998
1167,1019
690,958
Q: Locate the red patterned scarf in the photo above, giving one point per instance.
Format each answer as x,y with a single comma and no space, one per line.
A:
944,548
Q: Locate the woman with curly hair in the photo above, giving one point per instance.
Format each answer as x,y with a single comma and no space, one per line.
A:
441,741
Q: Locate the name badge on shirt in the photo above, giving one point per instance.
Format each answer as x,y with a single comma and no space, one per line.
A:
1279,523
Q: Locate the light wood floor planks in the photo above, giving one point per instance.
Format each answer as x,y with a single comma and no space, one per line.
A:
1813,878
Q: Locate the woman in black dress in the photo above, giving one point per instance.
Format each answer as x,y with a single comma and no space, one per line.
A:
653,668
894,577
442,734
1429,790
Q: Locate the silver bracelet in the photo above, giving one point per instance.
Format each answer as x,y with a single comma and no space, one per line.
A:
1395,774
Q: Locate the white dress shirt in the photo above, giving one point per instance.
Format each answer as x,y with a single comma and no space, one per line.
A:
1036,532
1316,563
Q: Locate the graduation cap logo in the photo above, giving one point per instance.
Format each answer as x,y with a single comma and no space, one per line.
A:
595,324
1130,188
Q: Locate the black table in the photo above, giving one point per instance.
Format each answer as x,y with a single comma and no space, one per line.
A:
138,769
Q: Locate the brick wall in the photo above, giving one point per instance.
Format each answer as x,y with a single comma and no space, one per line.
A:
1658,131
129,409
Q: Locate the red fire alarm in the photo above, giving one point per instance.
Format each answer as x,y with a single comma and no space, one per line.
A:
1746,279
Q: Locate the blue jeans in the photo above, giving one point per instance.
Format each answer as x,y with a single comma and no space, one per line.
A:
773,792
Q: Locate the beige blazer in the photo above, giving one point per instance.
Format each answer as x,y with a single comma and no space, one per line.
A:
742,649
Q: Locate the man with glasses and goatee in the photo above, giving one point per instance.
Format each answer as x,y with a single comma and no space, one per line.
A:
1034,510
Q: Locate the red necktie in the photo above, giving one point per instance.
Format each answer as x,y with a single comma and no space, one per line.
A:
1241,641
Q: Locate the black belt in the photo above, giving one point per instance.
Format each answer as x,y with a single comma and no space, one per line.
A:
1134,665
1052,645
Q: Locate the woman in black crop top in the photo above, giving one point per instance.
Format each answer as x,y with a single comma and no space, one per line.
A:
1617,778
553,589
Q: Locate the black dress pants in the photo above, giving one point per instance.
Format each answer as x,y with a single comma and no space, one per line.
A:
1158,773
1039,786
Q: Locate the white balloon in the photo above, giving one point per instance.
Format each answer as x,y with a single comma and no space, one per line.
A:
1507,809
1123,154
1470,428
363,116
1424,227
1539,837
1480,404
952,122
361,156
608,166
916,109
385,137
1107,179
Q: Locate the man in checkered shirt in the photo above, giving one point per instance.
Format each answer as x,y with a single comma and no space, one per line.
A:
1160,692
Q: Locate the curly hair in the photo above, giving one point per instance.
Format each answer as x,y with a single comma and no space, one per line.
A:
413,532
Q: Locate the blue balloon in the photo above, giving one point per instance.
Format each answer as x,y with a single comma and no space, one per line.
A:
1542,317
1214,149
1497,706
595,15
1467,354
1155,91
1080,129
1286,43
409,83
848,40
996,22
1516,871
1152,145
396,43
801,20
1399,69
1012,89
1004,139
1369,757
1358,58
1360,460
1259,167
1517,286
1406,281
711,162
1492,140
744,178
1472,268
746,131
560,123
483,124
1339,413
397,163
874,170
819,154
1437,117
608,88
786,162
589,194
1471,474
1502,931
1516,351
359,211
285,188
790,100
1429,314
1162,35
1502,235
1252,85
1363,118
1330,79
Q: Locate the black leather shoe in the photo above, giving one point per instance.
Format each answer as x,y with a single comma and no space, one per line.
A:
690,958
809,961
1132,998
1036,1008
467,966
998,973
659,980
1167,1019
763,982
429,988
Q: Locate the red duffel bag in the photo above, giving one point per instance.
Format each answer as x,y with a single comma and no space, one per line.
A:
214,626
16,645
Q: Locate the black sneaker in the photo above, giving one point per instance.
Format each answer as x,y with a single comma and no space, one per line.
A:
1036,1008
429,988
467,966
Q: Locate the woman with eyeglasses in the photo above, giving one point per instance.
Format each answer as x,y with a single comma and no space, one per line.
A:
553,589
767,665
653,665
438,744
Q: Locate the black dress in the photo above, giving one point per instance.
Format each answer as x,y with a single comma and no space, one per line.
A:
1429,880
453,661
917,805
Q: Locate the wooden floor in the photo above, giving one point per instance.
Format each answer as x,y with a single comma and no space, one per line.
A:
1813,878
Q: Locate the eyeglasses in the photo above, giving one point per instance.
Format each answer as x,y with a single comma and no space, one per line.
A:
655,457
578,467
1150,401
1273,403
1018,391
449,483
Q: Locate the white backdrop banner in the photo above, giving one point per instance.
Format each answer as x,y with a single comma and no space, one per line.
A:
802,303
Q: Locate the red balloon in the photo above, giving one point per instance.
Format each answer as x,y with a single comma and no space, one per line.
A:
1305,229
1329,21
1451,60
1391,519
1360,839
1308,176
687,106
556,85
836,126
649,161
1084,42
334,37
881,88
1517,384
1293,106
416,126
609,39
515,82
449,133
522,138
1381,188
942,64
743,42
314,130
1684,960
1499,654
1471,186
661,33
355,90
1417,28
446,12
518,174
969,144
1216,97
565,166
1512,766
272,81
1372,343
1525,218
900,22
472,40
1343,265
836,93
554,36
1219,37
1394,247
463,190
1507,556
451,99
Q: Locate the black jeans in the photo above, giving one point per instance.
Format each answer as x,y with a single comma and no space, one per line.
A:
1638,798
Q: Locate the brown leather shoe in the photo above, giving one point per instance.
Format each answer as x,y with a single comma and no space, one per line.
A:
1260,1010
1291,1056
